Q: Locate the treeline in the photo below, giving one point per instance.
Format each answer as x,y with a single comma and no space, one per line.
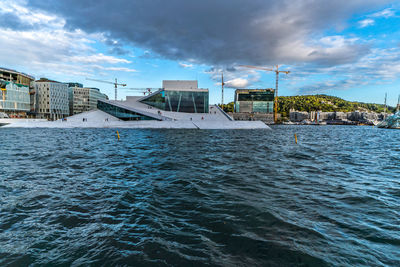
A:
324,103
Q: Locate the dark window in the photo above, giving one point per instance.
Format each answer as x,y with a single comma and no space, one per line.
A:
256,96
180,101
121,113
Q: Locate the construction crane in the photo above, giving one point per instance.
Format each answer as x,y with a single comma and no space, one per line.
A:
277,71
141,90
114,83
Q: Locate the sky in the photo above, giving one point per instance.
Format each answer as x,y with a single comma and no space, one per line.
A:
349,49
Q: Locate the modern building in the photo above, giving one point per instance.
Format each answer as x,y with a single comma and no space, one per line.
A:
83,99
16,77
179,96
178,105
52,99
71,85
16,88
175,100
74,84
15,99
298,115
254,100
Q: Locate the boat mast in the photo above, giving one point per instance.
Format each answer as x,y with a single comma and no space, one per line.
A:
384,113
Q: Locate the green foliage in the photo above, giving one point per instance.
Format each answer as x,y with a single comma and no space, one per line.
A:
324,103
228,107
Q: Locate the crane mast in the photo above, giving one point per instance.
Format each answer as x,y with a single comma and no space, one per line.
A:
114,83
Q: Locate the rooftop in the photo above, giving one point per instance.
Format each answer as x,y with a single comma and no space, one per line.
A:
16,72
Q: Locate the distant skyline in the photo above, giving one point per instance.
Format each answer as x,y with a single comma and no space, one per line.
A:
349,49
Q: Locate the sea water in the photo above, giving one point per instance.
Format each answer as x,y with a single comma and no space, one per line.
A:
200,197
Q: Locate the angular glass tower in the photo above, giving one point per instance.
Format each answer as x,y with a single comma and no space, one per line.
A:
179,100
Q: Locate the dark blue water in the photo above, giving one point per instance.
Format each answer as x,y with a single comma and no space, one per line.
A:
193,197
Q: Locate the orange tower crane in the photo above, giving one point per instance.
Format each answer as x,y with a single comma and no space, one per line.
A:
277,71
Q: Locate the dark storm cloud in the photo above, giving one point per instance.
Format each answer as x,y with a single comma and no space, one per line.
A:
222,32
116,47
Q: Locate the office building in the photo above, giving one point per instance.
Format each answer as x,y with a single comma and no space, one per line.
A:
15,99
254,100
84,99
52,99
179,96
176,100
16,93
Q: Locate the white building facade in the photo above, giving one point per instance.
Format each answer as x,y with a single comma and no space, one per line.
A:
84,99
52,100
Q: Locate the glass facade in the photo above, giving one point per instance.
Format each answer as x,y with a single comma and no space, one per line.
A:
94,96
254,100
121,113
190,101
14,97
261,95
263,106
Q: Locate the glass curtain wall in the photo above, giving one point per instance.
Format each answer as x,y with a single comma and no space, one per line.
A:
16,97
94,96
121,113
255,101
180,101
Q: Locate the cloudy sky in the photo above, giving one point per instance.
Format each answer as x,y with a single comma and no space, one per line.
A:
347,48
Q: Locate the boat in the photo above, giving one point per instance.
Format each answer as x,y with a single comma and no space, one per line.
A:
391,122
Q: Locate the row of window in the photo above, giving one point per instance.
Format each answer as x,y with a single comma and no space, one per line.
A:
121,113
180,101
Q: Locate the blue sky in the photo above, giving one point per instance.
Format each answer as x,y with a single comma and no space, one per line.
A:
349,49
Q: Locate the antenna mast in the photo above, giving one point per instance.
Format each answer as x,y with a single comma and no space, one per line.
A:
222,87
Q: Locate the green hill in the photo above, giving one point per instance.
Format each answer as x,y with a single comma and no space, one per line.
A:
325,103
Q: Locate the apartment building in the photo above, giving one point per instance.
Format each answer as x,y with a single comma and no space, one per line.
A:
52,99
84,99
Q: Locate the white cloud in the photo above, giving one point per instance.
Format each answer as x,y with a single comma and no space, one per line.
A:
386,13
120,69
97,58
370,20
366,22
51,49
237,83
378,67
183,65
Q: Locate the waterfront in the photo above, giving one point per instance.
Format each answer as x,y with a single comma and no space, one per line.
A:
196,197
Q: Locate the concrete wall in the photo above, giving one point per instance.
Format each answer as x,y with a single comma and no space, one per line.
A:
266,118
176,84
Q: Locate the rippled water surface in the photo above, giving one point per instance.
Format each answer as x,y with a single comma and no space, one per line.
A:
193,197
